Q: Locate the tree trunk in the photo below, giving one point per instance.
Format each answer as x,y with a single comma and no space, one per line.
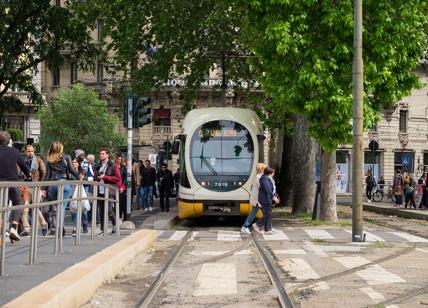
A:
275,148
304,166
285,181
328,187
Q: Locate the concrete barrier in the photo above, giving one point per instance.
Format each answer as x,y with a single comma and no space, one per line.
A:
76,285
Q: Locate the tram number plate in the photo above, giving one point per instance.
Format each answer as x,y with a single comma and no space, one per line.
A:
224,209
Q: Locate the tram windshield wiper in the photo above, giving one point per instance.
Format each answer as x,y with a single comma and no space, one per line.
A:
205,161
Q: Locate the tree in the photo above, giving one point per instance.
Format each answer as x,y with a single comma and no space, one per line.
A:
304,51
37,31
78,118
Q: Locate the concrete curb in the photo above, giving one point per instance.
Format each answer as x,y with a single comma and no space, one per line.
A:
76,285
412,214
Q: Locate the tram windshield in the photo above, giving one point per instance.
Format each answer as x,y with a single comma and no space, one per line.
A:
221,155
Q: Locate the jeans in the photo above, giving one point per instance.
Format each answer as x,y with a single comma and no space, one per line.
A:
140,193
84,218
15,197
267,216
250,218
164,199
53,195
147,196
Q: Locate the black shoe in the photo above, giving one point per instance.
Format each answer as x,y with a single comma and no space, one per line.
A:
167,210
113,231
100,234
85,229
63,231
24,234
73,234
44,230
52,232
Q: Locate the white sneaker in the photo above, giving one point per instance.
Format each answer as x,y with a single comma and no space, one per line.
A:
13,234
150,209
274,230
256,228
369,201
146,209
270,232
245,230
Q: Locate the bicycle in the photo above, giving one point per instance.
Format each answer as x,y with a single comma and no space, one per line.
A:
379,193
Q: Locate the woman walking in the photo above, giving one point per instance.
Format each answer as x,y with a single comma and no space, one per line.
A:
369,186
254,195
120,162
58,168
266,196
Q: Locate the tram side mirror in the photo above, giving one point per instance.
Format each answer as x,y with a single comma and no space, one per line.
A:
175,147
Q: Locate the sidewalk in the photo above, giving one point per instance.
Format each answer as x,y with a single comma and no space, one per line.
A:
21,277
387,208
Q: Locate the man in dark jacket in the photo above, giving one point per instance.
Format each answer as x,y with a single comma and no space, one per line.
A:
107,172
9,159
148,180
165,184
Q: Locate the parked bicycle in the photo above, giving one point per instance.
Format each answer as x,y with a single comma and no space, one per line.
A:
379,192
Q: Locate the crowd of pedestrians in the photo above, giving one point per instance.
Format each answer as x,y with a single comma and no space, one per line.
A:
59,166
406,190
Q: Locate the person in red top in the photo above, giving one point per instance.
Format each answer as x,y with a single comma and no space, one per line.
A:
107,172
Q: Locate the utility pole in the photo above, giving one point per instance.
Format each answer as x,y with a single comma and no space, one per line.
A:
357,115
129,101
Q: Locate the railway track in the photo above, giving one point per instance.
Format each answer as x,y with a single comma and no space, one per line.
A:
267,260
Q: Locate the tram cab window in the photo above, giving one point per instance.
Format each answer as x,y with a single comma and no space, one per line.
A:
221,155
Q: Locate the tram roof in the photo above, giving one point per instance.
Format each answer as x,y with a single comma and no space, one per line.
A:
196,117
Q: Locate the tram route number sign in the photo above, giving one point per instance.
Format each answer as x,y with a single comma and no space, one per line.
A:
152,158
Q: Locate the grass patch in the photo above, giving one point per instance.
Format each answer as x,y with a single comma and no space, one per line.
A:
377,244
319,240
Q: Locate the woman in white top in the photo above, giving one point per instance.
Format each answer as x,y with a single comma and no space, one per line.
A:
254,196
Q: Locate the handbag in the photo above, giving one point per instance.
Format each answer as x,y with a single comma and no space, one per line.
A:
86,206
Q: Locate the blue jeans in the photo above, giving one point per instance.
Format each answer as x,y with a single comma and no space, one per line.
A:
53,195
147,196
84,218
140,194
251,216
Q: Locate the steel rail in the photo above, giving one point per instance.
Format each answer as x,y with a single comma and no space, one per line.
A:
157,281
283,297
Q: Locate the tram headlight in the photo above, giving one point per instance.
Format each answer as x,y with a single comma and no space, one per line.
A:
240,183
203,183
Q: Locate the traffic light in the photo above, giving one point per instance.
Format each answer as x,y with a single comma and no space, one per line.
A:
141,111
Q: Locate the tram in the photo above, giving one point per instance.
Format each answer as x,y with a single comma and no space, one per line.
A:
218,151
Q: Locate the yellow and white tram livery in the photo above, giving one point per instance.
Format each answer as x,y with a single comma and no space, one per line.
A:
218,151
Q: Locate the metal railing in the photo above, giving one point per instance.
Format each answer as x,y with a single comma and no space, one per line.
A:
37,203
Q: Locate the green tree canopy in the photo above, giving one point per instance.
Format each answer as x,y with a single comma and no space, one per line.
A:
305,51
35,31
78,118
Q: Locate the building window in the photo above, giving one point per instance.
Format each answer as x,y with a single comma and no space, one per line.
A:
73,72
404,160
56,77
100,72
100,27
162,117
403,121
58,2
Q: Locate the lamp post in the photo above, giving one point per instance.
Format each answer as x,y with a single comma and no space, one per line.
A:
357,115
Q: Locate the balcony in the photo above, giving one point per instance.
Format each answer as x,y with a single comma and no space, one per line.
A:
23,97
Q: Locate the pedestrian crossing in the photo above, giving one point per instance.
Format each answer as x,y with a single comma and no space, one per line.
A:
293,235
